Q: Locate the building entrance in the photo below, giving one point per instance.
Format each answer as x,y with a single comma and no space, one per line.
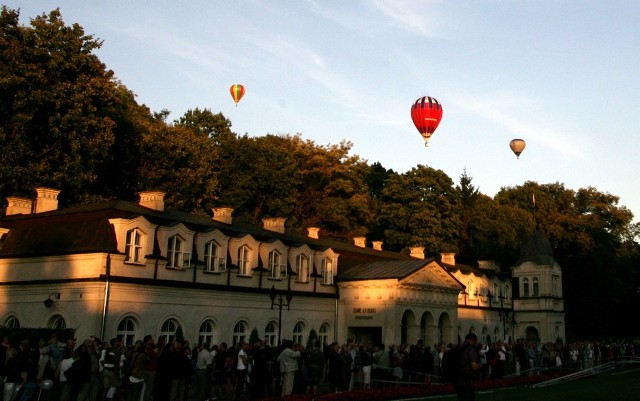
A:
366,335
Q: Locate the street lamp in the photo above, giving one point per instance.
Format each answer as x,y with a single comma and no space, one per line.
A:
282,300
506,316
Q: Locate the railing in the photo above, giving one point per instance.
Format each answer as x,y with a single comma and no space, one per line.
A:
613,365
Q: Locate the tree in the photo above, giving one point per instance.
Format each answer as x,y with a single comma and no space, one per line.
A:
179,161
56,106
421,208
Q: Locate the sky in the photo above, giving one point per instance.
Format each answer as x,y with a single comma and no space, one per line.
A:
562,75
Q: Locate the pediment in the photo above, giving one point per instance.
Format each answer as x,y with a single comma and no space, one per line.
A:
432,275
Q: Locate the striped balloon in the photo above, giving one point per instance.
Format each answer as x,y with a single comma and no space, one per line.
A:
237,91
426,114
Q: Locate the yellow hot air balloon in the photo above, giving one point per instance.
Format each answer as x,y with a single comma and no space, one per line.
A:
237,91
517,146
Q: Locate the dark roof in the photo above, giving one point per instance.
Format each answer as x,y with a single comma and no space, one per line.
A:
398,269
537,249
85,228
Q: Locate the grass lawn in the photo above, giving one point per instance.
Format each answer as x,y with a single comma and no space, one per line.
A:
618,385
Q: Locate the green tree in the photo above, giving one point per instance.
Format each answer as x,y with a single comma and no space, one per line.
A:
56,107
421,208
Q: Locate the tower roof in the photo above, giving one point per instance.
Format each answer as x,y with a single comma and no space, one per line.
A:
537,249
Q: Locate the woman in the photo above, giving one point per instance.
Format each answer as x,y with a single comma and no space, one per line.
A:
138,362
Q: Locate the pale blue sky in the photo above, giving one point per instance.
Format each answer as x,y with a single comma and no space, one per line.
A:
562,74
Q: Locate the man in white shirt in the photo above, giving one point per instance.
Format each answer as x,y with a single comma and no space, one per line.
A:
204,369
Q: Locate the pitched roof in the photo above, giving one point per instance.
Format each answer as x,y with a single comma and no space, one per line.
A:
85,228
397,269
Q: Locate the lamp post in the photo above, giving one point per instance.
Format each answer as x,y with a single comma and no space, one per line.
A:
281,301
506,316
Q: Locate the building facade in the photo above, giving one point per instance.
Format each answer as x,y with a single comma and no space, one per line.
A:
126,269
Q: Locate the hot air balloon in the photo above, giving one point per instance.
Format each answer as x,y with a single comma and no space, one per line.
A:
517,146
237,91
426,114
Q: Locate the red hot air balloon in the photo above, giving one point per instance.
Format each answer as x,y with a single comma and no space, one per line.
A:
426,114
237,91
517,146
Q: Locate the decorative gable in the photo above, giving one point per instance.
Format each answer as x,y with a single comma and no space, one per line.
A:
146,231
432,275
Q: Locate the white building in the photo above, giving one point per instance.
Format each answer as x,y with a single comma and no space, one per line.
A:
124,269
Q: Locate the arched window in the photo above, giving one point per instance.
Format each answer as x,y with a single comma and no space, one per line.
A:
244,254
302,268
213,262
126,331
298,333
525,287
205,333
169,329
239,333
12,322
327,271
57,322
536,287
133,247
323,335
271,334
275,266
177,256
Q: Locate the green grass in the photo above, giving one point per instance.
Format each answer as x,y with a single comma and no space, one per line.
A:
618,385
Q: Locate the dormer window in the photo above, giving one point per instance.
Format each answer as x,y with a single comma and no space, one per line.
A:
213,262
244,260
133,247
275,265
536,287
302,268
176,254
525,287
327,271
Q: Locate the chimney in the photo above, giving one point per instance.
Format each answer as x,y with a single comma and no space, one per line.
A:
312,232
417,252
152,199
377,245
46,200
275,224
222,214
360,242
448,258
19,205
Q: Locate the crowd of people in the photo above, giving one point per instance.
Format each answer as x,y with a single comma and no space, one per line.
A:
97,370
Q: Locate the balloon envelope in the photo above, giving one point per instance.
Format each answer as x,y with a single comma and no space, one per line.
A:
426,114
237,91
517,146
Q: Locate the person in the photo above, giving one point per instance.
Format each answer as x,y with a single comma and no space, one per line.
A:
13,378
136,365
316,364
469,364
242,366
288,360
151,368
204,370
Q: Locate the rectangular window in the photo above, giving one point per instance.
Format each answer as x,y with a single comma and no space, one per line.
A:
274,264
243,261
302,268
133,247
211,262
327,271
176,257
